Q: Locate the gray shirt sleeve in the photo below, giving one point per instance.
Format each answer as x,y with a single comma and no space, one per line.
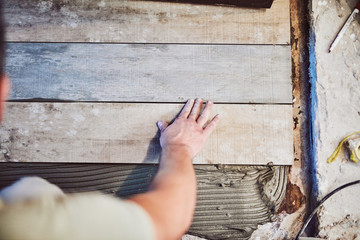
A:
76,217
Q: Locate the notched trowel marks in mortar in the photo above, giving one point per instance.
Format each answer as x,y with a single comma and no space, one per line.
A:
234,200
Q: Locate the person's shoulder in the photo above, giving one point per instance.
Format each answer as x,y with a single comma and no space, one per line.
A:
115,216
85,215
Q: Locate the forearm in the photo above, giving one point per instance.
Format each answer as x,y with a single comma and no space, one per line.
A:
173,190
175,163
176,178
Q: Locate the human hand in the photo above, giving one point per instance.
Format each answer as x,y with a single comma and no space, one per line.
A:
189,130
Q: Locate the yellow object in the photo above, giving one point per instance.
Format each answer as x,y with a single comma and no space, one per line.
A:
354,146
355,154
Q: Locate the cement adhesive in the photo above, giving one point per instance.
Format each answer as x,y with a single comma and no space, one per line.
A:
232,200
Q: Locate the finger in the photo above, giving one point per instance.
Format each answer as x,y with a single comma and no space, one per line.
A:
205,113
186,109
162,125
212,125
196,109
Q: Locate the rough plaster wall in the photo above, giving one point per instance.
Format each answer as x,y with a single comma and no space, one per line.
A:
337,115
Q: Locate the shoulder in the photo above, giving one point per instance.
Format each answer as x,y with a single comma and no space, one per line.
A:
79,216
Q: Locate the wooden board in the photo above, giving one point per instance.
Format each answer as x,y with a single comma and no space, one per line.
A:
145,21
237,3
150,72
126,133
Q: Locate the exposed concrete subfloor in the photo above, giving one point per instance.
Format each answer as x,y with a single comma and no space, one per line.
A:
337,114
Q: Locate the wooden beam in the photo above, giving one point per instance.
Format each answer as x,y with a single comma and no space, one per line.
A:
145,22
229,3
126,133
150,72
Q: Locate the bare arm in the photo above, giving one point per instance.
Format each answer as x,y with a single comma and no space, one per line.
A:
172,196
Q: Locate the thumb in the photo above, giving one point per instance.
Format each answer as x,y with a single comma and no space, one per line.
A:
161,125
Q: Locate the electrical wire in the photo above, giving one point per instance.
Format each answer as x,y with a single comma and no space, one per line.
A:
319,205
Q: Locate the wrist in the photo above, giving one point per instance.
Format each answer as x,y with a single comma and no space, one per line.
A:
177,151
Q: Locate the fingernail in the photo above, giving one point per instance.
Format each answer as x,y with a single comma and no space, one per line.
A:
160,124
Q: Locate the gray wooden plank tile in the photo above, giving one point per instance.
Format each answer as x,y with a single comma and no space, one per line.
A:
127,133
145,21
150,72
